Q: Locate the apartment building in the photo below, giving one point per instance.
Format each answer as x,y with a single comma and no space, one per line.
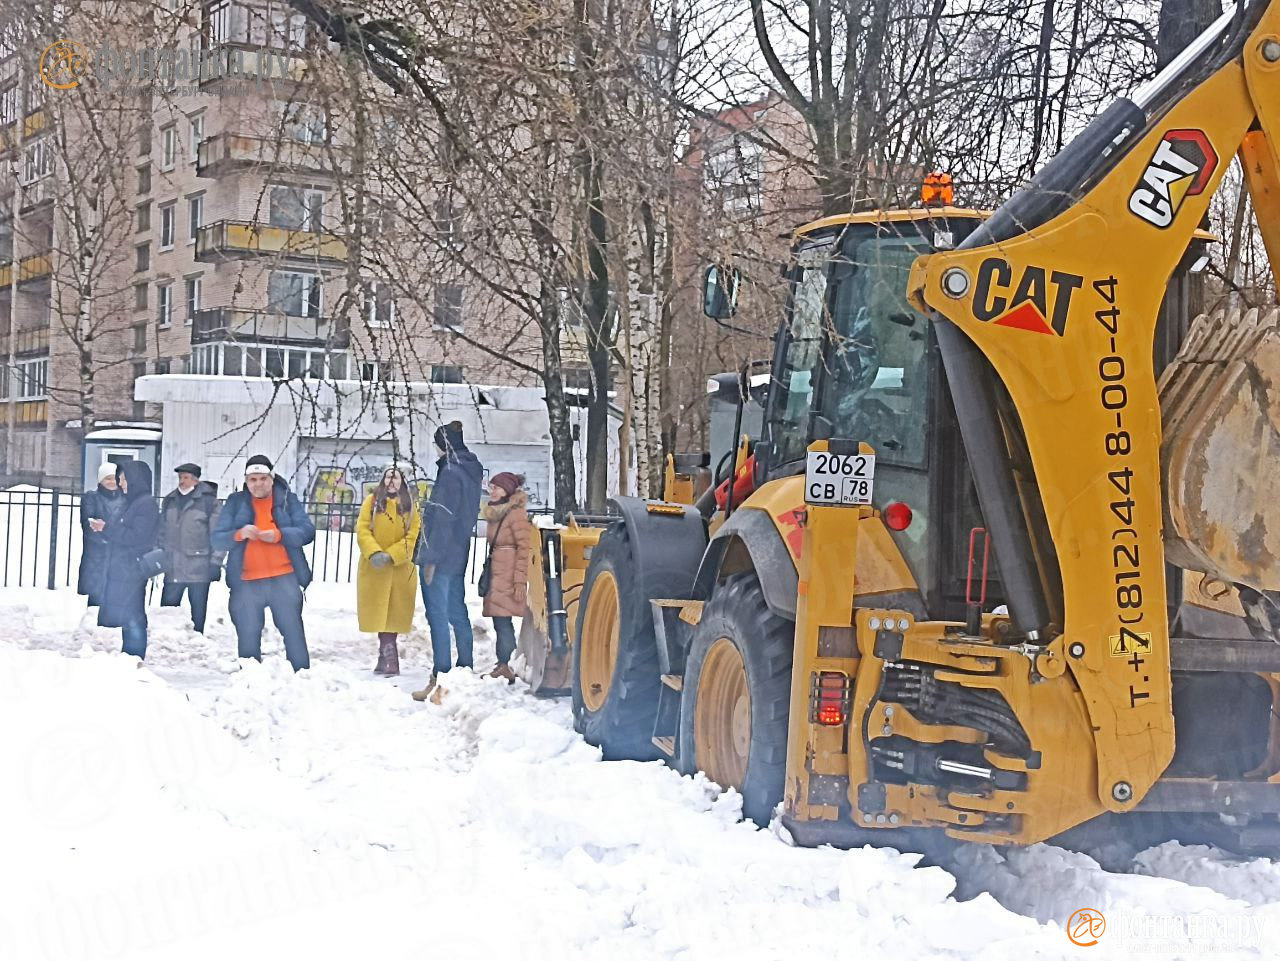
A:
191,215
748,188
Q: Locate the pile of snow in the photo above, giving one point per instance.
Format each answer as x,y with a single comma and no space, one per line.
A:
202,807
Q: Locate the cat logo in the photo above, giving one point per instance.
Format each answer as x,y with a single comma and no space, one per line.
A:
1180,168
1039,303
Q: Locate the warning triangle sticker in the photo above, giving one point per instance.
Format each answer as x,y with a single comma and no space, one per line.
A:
1026,316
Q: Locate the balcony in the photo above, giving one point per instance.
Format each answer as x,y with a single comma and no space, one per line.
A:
31,125
230,153
27,413
246,61
35,267
26,342
36,194
218,324
239,240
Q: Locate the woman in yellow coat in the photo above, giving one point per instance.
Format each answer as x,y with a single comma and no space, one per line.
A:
387,582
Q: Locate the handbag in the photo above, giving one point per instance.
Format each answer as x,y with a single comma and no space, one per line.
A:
485,580
152,563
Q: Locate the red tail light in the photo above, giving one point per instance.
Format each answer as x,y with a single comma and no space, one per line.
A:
829,699
897,516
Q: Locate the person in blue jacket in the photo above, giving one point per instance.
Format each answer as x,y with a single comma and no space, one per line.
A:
130,535
448,522
263,530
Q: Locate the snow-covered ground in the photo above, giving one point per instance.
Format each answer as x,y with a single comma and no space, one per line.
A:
203,808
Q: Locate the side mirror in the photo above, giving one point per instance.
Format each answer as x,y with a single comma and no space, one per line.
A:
720,291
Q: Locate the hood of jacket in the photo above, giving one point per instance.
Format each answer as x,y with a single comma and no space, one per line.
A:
138,477
496,510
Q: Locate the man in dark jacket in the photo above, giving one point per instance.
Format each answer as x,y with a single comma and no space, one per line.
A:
187,517
448,521
98,508
129,537
263,530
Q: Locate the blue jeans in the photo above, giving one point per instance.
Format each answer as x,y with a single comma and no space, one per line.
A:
134,634
445,599
506,632
248,609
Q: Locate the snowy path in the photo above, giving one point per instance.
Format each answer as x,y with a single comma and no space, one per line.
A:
195,809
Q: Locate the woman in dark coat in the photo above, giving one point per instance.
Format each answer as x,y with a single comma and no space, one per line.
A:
134,533
98,508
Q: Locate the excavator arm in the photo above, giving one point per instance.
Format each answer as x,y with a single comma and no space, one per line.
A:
1046,319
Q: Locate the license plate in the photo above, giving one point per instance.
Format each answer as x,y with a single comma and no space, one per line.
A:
839,480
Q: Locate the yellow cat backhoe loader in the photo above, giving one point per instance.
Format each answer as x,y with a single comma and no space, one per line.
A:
1005,556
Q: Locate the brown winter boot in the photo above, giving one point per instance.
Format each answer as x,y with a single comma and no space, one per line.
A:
504,670
391,650
381,667
426,691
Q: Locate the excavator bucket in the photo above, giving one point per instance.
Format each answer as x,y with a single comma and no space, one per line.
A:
557,569
1220,405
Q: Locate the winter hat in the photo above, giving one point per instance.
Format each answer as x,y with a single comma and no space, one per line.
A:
193,469
448,437
258,464
508,481
106,470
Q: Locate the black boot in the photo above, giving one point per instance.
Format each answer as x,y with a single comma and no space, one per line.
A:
391,651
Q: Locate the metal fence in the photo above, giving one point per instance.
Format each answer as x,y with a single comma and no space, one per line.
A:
40,531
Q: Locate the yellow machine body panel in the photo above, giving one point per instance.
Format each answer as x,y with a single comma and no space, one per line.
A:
1066,316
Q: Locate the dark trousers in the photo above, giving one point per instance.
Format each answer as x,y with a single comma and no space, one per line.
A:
506,632
134,635
171,596
248,608
445,599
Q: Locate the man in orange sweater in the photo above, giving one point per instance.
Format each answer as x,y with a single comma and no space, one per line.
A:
264,528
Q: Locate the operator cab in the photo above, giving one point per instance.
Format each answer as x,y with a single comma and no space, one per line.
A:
855,360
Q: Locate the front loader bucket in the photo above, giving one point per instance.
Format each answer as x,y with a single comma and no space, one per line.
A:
543,668
1220,406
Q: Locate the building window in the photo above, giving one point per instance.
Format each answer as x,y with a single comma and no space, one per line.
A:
576,378
37,161
734,171
288,28
9,98
144,179
195,217
370,371
380,304
295,294
140,296
144,257
168,225
144,139
193,298
444,217
448,312
164,304
446,374
33,379
163,366
305,123
144,217
297,208
220,22
168,146
140,338
197,135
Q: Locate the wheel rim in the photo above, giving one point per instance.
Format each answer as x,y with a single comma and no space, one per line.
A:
599,641
722,716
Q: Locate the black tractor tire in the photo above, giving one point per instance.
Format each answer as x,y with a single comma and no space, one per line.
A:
618,720
738,615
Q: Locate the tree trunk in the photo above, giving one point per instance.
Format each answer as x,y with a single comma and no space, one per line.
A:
1181,21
